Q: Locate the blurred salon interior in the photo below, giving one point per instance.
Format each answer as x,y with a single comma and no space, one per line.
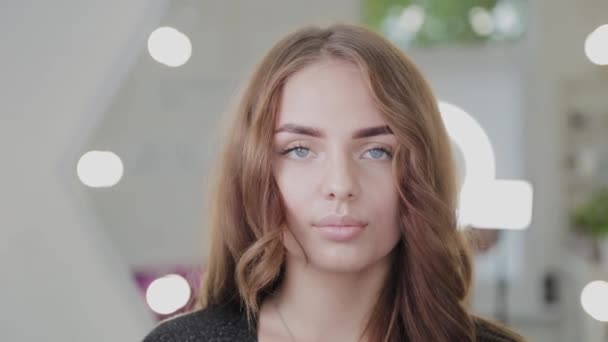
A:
108,128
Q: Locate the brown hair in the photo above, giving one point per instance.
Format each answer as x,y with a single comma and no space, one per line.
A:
425,296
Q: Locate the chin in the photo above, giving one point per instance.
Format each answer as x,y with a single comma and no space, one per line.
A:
340,264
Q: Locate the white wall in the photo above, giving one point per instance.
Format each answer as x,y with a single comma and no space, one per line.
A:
62,278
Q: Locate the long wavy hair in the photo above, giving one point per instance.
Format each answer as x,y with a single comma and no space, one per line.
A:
426,293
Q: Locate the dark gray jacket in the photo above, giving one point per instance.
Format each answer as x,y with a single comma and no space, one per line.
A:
226,323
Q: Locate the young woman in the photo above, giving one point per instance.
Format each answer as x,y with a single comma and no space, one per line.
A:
334,208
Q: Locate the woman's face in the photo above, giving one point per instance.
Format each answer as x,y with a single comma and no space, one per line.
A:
326,163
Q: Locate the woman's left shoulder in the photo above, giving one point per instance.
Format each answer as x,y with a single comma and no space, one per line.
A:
492,331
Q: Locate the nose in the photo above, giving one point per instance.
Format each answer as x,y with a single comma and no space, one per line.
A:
340,181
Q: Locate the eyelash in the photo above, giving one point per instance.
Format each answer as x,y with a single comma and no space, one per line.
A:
300,146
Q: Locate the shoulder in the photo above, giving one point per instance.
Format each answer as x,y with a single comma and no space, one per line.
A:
491,331
217,323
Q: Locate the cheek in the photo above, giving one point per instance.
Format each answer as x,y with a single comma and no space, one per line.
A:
381,191
295,186
384,199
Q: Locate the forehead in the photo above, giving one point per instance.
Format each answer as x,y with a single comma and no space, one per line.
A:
329,94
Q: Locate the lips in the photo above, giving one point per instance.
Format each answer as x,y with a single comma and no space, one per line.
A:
334,220
340,228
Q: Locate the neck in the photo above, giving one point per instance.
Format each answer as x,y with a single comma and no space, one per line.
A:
321,305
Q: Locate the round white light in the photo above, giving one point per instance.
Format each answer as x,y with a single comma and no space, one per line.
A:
596,45
99,169
594,299
411,18
507,18
482,21
169,46
168,294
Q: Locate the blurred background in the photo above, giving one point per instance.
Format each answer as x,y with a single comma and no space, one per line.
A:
108,128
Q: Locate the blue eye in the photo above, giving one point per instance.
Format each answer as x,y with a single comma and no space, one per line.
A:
296,149
378,152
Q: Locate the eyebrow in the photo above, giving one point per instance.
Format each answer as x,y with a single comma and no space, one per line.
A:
317,133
